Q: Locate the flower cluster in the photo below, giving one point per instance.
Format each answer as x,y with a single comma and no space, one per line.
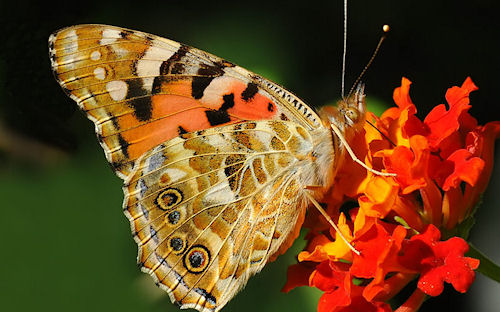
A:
406,227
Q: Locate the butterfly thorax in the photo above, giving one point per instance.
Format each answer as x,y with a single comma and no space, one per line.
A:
319,171
348,117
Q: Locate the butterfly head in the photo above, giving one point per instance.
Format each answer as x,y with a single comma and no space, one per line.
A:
349,114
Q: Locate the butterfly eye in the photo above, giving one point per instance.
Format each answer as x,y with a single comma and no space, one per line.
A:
352,114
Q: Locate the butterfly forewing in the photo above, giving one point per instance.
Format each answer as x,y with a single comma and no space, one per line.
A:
141,90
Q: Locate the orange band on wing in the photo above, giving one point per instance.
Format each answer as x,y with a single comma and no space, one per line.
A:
172,116
225,101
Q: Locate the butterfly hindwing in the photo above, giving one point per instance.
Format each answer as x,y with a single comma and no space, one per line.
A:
141,90
209,209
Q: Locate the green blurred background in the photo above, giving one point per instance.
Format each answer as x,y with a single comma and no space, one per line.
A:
66,245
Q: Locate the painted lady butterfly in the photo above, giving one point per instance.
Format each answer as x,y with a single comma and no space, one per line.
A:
219,164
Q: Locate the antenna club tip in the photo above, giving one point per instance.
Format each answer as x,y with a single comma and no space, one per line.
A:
386,28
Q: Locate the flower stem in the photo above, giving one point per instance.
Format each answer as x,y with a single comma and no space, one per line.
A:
413,303
487,267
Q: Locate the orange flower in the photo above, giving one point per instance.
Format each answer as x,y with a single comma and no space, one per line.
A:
443,165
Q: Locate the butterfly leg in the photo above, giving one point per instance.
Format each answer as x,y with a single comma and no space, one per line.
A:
327,217
356,159
314,187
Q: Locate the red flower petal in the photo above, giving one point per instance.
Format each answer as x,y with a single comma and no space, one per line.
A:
378,251
335,280
340,293
379,197
402,98
465,168
411,166
440,261
441,122
481,143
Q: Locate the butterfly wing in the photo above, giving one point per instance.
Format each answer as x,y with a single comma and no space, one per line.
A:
208,209
214,157
141,90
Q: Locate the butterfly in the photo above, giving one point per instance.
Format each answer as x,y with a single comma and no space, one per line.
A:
219,164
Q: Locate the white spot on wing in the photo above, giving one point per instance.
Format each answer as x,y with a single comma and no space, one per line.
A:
117,89
100,73
217,87
96,55
73,97
72,45
219,194
52,38
120,51
109,36
175,174
149,64
53,62
264,137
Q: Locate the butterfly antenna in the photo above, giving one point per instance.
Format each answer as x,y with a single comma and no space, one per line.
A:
345,48
385,28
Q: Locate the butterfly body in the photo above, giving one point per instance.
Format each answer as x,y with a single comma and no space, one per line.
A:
215,159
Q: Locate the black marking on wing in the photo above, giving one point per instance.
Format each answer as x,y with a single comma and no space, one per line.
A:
177,69
199,85
123,145
208,296
249,92
220,116
125,34
166,66
181,130
170,66
177,244
216,117
143,109
205,76
228,101
117,165
174,216
211,70
100,138
114,121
